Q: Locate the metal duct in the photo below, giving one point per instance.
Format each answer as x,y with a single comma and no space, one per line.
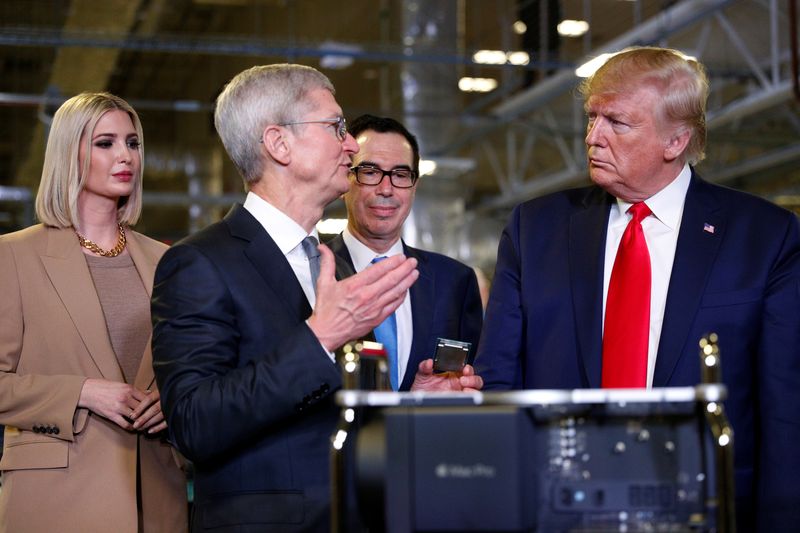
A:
431,102
430,90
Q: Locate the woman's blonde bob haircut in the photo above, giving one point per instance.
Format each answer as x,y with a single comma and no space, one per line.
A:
62,179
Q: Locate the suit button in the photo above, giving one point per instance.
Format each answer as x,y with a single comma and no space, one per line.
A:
299,407
325,388
306,400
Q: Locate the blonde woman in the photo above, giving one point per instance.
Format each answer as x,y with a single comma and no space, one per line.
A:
84,446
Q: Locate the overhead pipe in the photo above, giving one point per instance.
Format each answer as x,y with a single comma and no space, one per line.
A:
243,46
793,47
38,100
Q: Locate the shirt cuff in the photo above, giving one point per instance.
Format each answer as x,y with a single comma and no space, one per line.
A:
331,355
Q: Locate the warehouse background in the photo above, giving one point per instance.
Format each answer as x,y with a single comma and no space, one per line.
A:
411,59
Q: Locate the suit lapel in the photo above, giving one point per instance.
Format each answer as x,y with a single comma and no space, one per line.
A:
344,263
694,256
587,237
422,294
345,267
145,260
268,260
68,272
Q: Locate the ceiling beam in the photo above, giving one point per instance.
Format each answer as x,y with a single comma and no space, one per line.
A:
77,69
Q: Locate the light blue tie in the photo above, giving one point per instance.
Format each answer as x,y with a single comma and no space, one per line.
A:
386,334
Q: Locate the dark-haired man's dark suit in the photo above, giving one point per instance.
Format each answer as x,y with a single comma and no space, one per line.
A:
445,302
736,273
245,384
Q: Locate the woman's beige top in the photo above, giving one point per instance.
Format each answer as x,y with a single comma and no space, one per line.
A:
126,308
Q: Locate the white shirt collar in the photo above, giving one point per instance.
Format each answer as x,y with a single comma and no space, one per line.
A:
286,233
362,255
666,204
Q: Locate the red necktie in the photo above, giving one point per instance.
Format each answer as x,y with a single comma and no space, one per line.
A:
627,324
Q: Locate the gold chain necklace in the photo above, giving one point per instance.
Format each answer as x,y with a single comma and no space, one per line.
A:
114,252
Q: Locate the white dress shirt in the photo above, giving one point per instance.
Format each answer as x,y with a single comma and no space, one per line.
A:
288,235
362,257
661,234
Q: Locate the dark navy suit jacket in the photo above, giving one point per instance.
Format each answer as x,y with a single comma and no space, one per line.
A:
245,385
736,273
445,302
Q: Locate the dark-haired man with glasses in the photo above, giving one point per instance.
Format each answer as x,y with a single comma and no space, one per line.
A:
444,301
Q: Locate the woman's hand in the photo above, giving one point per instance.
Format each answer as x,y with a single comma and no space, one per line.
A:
112,400
148,416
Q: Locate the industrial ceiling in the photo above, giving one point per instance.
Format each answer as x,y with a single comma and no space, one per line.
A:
401,58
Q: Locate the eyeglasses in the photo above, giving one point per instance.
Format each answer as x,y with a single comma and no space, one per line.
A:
339,122
402,178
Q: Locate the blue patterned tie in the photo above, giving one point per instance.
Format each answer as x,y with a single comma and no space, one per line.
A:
386,334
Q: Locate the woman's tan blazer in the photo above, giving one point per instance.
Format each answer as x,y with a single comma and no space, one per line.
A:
66,469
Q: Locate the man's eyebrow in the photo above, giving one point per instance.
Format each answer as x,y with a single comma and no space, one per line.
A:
374,164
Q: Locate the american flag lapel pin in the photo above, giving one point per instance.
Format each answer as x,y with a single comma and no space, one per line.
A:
708,228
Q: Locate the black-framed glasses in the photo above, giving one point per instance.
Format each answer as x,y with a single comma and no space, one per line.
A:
402,178
339,122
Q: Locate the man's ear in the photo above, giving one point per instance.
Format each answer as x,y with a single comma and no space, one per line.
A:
677,143
277,144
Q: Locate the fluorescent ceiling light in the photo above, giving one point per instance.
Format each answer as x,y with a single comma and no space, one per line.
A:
331,226
500,57
426,167
331,60
590,67
572,28
477,85
518,58
489,57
